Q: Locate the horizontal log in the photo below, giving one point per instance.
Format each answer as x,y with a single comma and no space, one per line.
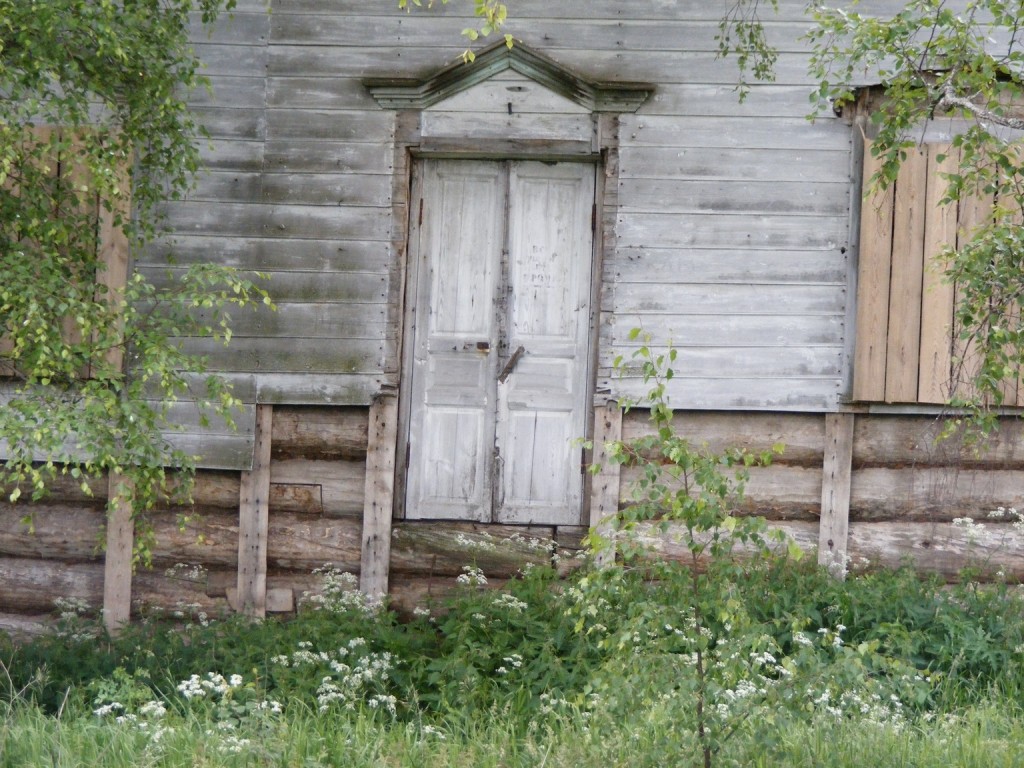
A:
24,628
319,433
914,494
337,486
444,548
32,586
912,441
940,548
672,543
802,435
295,541
776,492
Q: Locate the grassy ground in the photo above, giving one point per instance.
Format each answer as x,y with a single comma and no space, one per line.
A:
777,664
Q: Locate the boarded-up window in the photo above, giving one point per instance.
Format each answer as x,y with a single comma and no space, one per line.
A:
906,350
63,170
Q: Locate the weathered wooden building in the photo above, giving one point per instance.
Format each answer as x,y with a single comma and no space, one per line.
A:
458,253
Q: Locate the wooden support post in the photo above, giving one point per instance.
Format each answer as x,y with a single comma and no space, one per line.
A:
117,567
379,497
604,489
833,530
253,522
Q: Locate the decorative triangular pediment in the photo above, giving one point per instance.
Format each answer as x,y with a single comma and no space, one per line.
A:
590,94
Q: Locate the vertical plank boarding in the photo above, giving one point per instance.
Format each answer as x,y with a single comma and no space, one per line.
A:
833,529
903,351
605,486
379,497
873,287
937,295
117,564
254,520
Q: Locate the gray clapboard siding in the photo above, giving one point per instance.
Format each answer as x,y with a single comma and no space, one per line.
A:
295,286
235,60
248,25
296,155
230,91
695,265
240,124
764,330
432,30
731,164
727,299
752,133
309,91
228,187
774,197
768,393
334,125
328,189
699,100
290,355
273,255
686,10
292,221
798,361
315,321
224,154
730,231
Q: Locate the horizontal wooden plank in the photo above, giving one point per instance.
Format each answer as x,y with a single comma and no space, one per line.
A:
705,100
302,221
778,492
425,30
619,65
243,24
309,91
370,125
939,548
932,493
290,355
302,287
781,361
723,299
688,10
509,126
725,331
231,91
232,122
339,484
763,392
247,56
228,187
318,389
734,164
327,321
319,432
212,451
302,155
666,230
272,255
706,265
228,154
327,189
803,435
912,441
694,196
744,133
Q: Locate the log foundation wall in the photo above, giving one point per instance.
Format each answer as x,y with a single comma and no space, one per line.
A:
867,490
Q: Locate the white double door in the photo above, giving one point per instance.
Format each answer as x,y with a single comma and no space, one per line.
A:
502,253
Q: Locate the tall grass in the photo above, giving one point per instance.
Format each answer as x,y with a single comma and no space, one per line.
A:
883,669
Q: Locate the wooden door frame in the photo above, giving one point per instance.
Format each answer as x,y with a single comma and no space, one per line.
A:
410,149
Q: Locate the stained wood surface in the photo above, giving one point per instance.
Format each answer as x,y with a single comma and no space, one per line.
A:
118,562
254,519
605,484
834,525
379,497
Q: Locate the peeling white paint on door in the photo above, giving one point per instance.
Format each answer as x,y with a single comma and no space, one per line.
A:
500,380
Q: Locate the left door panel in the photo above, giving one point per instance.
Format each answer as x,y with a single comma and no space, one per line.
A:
451,428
